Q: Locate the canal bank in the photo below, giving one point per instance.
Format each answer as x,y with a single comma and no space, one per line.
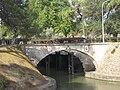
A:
102,76
17,73
109,68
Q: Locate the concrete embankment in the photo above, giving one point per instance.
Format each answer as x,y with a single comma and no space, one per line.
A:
109,68
102,76
17,73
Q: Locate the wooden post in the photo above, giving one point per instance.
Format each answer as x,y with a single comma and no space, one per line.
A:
48,65
72,62
59,60
69,65
56,61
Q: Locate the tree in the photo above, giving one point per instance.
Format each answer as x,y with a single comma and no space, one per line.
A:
114,3
31,18
54,14
15,16
91,10
91,21
113,21
11,13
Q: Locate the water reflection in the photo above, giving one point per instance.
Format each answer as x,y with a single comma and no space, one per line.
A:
78,82
57,66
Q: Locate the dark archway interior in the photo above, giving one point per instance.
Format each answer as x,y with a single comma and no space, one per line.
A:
61,61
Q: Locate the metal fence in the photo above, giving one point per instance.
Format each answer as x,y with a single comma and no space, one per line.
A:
19,41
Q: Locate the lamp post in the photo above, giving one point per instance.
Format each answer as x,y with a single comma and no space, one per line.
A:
103,37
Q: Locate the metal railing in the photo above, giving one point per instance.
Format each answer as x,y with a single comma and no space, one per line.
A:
56,41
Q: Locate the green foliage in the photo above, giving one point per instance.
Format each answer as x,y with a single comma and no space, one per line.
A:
15,16
113,23
11,14
113,3
52,14
91,10
33,18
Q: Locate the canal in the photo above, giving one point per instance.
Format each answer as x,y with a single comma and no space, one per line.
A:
57,67
67,81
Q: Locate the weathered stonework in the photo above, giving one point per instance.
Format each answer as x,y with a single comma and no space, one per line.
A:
94,51
109,68
105,57
51,85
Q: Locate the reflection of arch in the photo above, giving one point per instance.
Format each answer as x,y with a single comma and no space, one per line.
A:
87,61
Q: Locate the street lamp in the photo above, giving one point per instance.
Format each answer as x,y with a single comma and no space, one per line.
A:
103,38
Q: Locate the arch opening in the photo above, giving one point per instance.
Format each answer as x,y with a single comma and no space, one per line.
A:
64,61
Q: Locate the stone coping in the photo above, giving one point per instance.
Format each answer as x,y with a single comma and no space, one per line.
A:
101,76
73,44
51,85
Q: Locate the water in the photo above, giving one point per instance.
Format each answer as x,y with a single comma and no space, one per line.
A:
78,82
50,67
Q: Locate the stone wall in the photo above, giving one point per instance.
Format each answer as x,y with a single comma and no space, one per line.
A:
88,62
109,68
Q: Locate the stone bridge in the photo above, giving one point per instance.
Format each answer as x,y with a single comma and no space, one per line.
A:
105,57
88,53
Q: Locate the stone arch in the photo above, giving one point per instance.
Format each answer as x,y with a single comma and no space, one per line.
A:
89,64
39,53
